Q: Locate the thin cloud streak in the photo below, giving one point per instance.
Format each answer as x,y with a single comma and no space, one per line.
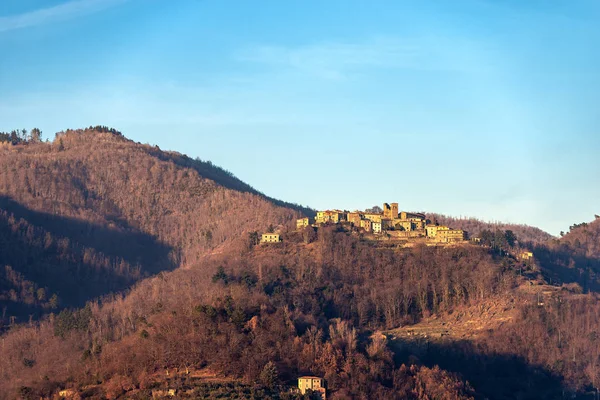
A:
61,12
335,61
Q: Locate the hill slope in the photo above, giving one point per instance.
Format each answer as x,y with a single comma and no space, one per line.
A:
574,258
93,212
310,305
303,306
474,226
584,238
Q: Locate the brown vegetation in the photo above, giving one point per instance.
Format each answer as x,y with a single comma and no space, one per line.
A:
475,226
573,259
300,306
93,213
584,239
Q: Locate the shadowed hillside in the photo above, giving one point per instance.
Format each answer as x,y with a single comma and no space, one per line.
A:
51,261
102,212
584,238
574,258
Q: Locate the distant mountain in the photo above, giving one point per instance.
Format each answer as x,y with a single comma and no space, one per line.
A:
93,212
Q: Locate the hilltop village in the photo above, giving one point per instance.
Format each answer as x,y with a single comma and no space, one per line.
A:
390,224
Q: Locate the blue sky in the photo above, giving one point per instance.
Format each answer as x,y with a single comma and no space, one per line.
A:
469,108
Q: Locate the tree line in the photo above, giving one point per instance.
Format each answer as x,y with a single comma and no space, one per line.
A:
21,136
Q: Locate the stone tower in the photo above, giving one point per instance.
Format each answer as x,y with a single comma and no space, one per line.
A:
394,210
390,211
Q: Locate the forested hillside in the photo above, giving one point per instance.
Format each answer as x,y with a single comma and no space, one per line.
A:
314,305
306,307
474,227
174,240
574,258
584,238
93,212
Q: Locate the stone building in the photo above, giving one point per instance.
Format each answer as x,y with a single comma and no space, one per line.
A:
526,255
302,223
417,223
313,383
406,234
390,211
366,224
374,217
447,235
270,238
409,221
333,216
376,227
355,218
431,231
403,225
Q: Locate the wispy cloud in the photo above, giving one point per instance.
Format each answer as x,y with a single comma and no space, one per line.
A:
337,60
61,12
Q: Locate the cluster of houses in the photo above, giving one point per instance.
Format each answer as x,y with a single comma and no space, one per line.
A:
395,224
